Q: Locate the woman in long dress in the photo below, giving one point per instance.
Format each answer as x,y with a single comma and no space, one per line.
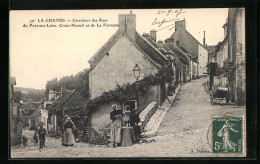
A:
68,137
116,125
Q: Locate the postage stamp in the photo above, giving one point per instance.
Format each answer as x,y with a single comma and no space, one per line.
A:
227,134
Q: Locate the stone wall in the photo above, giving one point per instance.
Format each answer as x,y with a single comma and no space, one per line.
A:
117,67
203,59
147,113
186,41
15,126
240,63
101,118
236,53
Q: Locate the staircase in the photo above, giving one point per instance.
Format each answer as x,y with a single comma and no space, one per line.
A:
156,119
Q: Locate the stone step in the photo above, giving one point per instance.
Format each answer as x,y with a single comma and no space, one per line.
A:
152,121
156,119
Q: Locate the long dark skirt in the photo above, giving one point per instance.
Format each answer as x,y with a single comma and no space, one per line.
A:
68,137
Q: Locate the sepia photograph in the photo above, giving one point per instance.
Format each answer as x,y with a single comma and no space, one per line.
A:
127,83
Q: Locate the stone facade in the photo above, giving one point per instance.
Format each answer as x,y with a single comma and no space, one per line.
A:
113,65
117,67
16,117
233,49
203,60
236,33
183,38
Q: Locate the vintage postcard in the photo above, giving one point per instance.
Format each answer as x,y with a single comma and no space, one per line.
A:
128,83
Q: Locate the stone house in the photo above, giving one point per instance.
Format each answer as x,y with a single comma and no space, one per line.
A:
69,102
237,53
113,65
193,67
172,57
182,62
16,116
28,109
40,115
218,56
232,48
182,38
166,51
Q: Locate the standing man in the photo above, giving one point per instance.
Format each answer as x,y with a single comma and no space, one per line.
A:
135,123
42,132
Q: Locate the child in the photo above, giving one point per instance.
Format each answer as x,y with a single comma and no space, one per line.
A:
126,116
24,141
35,139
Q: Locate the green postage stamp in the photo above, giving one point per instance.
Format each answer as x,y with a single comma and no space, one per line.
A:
228,135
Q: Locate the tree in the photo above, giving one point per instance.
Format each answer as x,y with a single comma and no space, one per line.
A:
79,82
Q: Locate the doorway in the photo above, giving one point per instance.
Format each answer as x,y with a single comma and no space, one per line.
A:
131,103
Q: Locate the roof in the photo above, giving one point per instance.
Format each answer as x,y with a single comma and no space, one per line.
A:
104,49
62,99
181,55
37,113
217,47
194,59
66,95
172,36
163,49
12,81
183,49
220,44
188,34
211,48
149,38
148,48
73,111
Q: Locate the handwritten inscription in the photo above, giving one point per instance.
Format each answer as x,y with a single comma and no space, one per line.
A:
165,17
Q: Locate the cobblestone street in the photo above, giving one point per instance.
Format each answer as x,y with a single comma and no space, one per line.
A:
182,133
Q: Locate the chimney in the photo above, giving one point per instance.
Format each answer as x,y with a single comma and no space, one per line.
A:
127,22
160,44
179,24
153,34
62,90
121,21
204,40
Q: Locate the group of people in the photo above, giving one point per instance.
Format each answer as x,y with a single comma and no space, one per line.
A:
40,134
122,120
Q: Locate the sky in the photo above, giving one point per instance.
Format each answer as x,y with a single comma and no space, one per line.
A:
39,54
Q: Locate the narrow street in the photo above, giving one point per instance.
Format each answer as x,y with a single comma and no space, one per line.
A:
183,132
